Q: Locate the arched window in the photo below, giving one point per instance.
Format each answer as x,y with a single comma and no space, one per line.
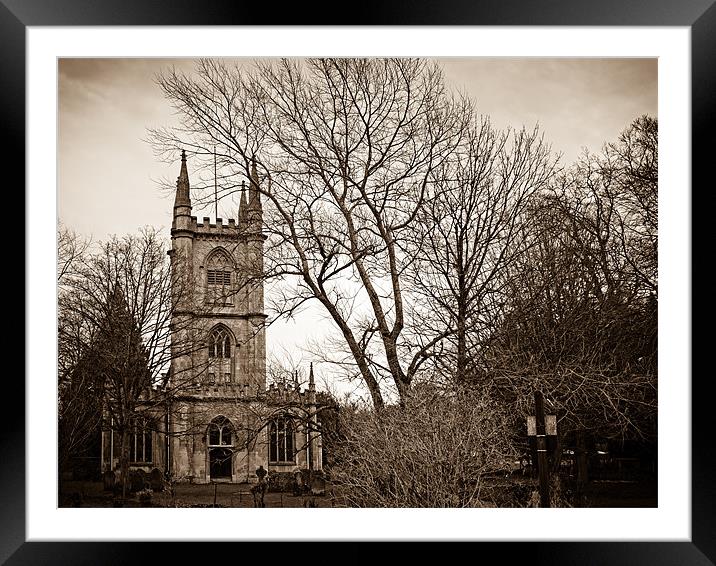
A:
218,277
220,362
220,343
220,432
140,442
220,441
281,440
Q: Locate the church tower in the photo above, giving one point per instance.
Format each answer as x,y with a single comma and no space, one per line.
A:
223,421
218,271
218,338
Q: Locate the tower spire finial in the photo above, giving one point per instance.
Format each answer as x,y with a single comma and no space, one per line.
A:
310,376
254,195
243,204
182,198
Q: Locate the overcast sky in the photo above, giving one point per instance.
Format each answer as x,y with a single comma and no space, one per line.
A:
107,173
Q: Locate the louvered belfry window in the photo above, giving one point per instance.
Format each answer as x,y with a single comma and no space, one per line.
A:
218,277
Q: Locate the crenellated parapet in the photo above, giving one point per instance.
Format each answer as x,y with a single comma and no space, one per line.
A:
219,225
221,391
218,229
274,394
278,393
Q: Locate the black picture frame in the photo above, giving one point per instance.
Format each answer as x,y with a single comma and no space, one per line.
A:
698,15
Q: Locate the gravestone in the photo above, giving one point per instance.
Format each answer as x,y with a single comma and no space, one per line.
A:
108,480
155,480
318,485
136,480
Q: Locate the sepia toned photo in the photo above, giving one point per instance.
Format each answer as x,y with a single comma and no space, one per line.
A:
365,283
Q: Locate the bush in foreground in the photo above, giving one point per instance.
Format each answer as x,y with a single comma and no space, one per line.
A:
436,450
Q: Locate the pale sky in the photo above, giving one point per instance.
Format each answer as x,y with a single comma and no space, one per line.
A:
107,173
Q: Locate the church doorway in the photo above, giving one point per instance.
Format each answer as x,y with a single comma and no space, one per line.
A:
220,463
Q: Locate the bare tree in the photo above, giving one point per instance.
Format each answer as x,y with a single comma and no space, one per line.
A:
79,398
282,367
466,236
70,250
345,150
123,295
581,318
632,165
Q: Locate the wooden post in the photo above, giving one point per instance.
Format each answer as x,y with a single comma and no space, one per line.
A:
542,466
582,460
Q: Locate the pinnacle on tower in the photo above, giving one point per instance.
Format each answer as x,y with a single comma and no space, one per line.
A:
254,195
182,200
243,212
311,382
182,195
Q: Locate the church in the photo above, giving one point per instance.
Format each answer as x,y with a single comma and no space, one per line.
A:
213,418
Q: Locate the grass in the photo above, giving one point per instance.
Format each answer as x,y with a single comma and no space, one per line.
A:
92,494
597,493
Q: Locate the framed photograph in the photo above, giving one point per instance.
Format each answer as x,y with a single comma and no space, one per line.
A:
117,102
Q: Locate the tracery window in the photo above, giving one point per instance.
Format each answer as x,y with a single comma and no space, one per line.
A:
220,361
220,343
281,447
140,442
220,432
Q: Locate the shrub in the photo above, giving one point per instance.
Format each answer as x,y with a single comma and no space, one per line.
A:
434,451
137,480
281,481
145,495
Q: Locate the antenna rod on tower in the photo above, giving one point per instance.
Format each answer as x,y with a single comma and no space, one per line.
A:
216,198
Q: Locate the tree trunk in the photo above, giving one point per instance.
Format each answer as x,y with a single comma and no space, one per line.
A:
124,460
356,351
461,365
402,382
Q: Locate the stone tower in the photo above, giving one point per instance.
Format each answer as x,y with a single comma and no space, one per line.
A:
219,271
218,365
